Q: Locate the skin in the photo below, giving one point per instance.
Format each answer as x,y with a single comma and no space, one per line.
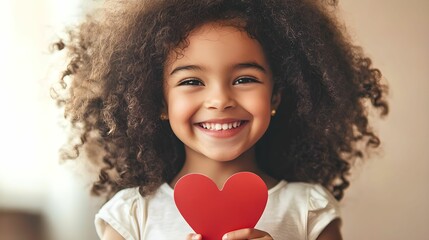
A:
221,77
111,234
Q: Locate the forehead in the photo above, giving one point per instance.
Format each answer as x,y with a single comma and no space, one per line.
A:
217,44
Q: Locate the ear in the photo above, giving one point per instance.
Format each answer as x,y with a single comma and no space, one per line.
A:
164,111
276,98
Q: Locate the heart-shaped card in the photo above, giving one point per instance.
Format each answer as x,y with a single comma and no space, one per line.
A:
212,212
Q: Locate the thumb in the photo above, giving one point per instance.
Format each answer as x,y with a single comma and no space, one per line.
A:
193,236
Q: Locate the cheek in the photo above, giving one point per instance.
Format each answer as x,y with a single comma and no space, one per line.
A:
262,113
259,104
180,109
260,107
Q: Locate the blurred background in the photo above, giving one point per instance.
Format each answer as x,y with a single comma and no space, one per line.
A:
42,199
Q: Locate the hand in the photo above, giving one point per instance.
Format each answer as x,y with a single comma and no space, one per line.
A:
246,233
193,236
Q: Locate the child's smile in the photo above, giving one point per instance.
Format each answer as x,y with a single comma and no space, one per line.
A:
222,128
218,93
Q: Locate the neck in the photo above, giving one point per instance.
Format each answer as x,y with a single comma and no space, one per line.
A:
220,171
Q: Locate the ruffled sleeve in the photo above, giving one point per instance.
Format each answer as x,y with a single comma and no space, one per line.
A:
323,208
120,213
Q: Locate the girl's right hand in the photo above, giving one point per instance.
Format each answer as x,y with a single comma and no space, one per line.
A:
193,236
248,233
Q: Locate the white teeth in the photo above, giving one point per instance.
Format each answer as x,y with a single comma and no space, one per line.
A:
220,126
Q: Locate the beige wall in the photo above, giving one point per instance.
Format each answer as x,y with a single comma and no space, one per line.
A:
32,183
389,196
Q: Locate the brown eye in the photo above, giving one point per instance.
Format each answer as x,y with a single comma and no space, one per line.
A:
191,82
243,80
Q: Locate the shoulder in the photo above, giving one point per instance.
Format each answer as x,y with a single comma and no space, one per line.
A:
315,195
322,208
119,213
127,211
124,196
312,198
134,216
308,207
123,202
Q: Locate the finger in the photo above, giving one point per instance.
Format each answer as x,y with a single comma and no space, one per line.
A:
193,236
247,233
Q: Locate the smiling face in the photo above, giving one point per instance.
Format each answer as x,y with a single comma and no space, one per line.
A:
218,93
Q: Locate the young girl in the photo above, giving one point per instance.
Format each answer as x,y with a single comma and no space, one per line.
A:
165,88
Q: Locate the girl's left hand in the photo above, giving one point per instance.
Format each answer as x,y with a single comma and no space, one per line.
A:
247,233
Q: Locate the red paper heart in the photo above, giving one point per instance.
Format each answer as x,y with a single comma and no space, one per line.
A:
212,212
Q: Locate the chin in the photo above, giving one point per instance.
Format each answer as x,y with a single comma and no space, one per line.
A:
222,157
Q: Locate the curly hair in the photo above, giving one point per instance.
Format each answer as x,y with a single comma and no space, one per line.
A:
115,95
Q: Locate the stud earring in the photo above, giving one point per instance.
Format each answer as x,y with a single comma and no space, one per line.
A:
163,117
273,112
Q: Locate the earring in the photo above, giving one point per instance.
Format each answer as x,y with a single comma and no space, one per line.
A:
163,117
273,112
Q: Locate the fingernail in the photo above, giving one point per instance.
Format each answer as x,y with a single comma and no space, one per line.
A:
225,237
196,237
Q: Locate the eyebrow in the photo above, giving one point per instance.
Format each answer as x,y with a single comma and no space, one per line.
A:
186,67
252,65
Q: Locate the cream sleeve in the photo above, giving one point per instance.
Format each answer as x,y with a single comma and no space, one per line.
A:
323,208
120,213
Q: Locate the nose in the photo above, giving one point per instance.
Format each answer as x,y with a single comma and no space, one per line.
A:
220,99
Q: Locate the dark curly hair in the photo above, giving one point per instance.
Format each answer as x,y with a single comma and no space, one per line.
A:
114,89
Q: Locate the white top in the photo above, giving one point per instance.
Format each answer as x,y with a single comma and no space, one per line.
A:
293,211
